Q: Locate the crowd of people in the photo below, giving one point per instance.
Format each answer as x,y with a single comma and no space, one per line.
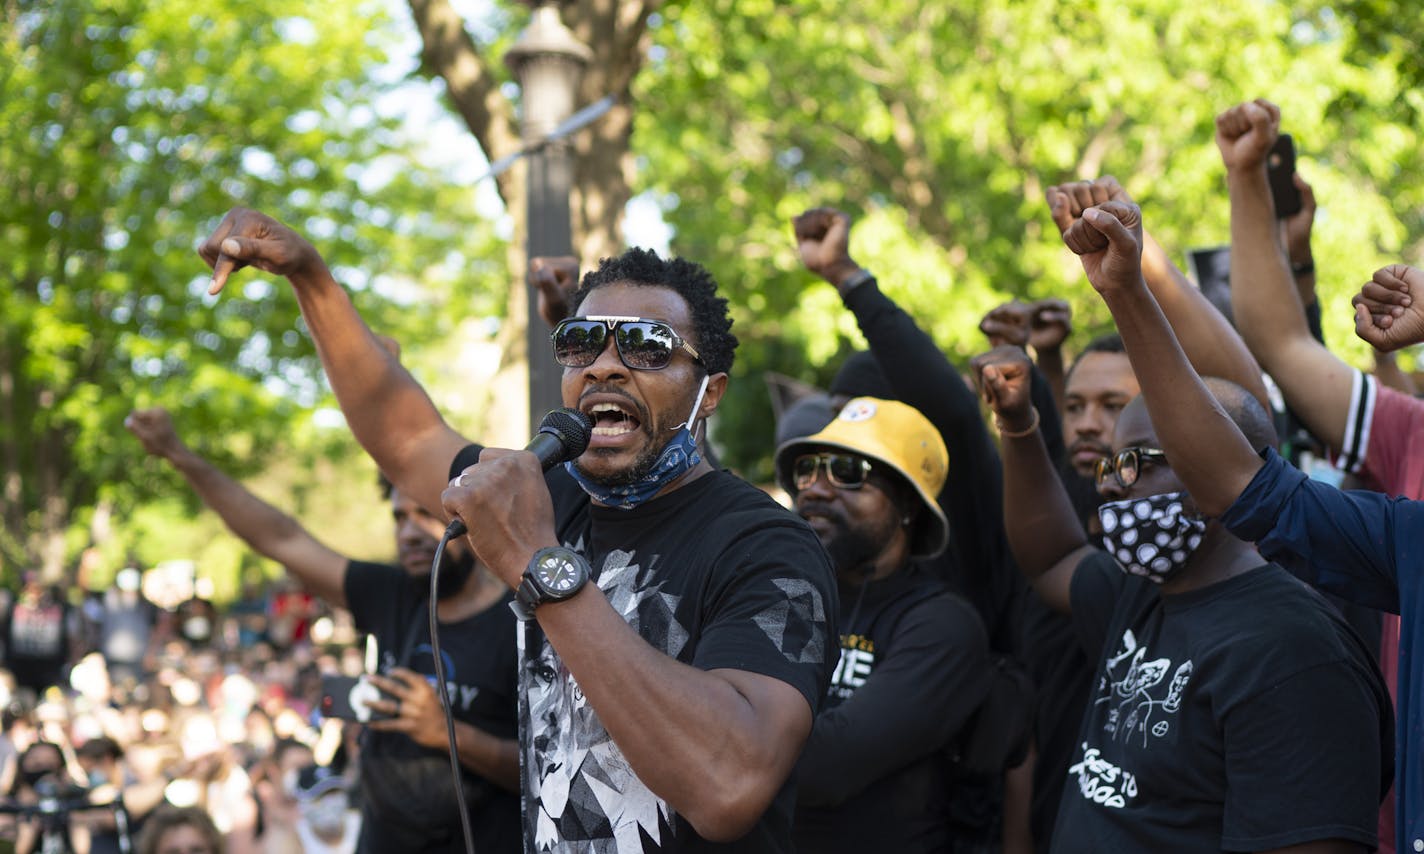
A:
1122,619
141,726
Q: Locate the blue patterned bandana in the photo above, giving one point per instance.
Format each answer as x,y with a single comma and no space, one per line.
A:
677,458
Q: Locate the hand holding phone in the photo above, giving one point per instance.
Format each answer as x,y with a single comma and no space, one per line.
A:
348,698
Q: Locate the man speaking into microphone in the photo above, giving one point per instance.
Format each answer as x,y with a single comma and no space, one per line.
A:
677,624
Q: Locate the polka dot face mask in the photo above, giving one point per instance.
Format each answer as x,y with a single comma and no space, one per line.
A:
1152,536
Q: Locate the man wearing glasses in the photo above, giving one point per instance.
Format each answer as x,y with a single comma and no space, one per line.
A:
1233,709
914,663
680,622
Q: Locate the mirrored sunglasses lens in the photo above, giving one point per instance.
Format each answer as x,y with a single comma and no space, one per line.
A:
577,343
645,345
1102,470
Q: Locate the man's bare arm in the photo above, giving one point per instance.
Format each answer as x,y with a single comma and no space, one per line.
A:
1264,297
716,745
1044,533
269,531
1211,344
388,411
1209,453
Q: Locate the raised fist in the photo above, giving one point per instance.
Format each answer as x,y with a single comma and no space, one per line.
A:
1246,132
556,279
1004,377
1050,325
823,240
1008,324
154,429
1388,311
1066,202
1108,240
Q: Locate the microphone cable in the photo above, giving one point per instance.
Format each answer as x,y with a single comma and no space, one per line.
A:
563,434
444,692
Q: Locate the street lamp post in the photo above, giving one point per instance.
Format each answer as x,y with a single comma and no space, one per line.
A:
547,60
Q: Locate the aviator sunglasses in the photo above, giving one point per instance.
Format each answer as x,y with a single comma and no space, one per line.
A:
846,471
643,345
1125,465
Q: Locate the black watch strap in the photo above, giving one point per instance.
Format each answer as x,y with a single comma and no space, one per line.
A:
532,591
526,598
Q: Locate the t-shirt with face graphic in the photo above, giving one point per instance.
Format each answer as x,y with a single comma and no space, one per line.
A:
714,574
1225,718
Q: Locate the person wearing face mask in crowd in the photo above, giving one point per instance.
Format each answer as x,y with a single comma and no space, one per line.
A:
111,780
326,821
409,801
1234,709
42,777
1214,667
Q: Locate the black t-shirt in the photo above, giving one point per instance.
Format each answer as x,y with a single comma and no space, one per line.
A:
1062,674
914,666
37,641
1241,716
714,574
409,802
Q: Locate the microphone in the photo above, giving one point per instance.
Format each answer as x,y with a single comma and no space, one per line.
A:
563,435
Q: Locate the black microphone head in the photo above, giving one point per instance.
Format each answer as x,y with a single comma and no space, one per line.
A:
572,428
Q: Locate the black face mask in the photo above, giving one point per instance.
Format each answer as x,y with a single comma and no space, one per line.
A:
455,570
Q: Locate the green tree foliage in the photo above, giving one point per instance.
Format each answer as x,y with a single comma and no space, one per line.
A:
127,128
939,125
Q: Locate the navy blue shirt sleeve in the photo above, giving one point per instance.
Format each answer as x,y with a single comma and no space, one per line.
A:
1343,542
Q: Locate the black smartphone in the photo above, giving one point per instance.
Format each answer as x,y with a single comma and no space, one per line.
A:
1280,170
346,697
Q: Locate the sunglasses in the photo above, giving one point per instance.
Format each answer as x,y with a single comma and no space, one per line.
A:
643,345
1125,465
846,471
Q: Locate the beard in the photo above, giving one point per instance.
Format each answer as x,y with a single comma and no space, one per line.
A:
642,465
852,550
455,570
852,546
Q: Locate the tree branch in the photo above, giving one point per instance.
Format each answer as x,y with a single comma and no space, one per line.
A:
449,51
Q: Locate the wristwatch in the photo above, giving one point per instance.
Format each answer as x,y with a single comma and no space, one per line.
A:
554,574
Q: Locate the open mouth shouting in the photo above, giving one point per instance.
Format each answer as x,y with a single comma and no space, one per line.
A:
616,422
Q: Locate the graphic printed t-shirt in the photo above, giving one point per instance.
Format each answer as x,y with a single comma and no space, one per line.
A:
409,798
37,642
875,774
715,575
1241,716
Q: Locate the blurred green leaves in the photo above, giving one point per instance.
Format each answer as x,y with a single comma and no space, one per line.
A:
127,129
938,126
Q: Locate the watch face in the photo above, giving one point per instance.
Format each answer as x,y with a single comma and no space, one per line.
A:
558,573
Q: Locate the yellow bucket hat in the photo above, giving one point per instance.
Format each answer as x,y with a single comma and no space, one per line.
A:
899,438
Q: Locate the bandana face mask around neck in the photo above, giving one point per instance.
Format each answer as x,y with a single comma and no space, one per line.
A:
677,457
1151,537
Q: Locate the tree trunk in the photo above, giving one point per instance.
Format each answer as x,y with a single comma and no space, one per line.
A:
603,168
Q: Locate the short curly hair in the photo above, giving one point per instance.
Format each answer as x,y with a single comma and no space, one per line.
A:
712,327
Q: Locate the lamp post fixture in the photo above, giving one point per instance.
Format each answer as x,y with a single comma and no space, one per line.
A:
548,61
